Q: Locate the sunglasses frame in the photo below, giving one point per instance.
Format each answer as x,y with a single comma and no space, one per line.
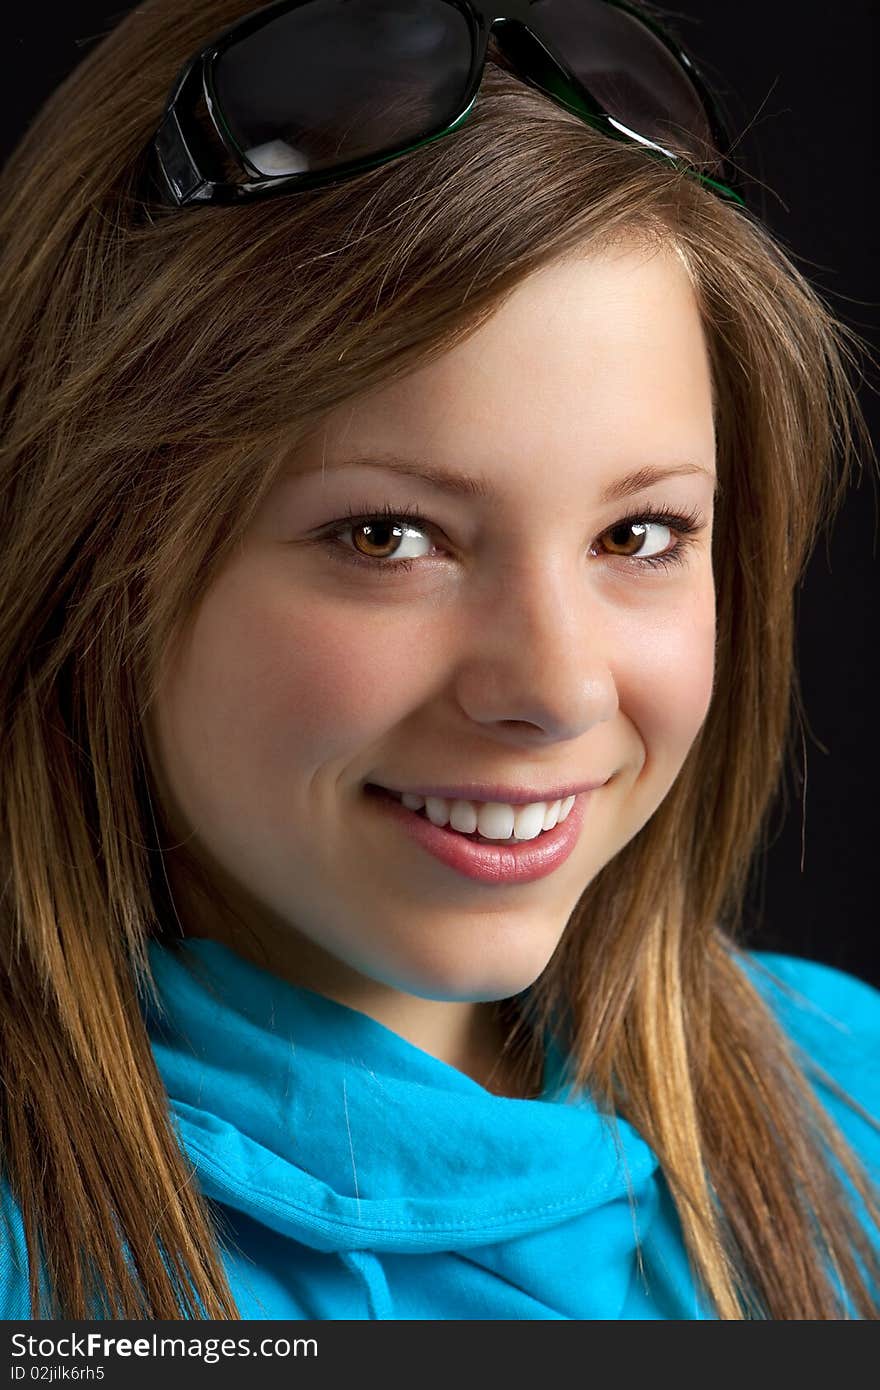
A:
187,170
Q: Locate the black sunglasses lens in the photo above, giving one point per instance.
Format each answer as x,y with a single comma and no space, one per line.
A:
331,82
634,77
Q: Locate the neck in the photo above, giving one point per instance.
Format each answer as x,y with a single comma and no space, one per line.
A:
467,1035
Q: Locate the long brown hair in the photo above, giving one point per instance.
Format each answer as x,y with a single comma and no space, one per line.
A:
152,362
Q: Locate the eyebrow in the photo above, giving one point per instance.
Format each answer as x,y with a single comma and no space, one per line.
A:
468,485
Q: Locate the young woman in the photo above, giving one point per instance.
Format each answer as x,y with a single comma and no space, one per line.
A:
402,518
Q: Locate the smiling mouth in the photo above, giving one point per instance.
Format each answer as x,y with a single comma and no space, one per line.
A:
383,794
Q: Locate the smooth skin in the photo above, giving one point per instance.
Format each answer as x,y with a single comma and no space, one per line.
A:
526,645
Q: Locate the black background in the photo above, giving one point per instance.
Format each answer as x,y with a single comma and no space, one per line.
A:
800,83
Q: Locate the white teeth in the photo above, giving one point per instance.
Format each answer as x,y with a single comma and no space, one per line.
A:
492,819
528,821
495,820
437,810
462,815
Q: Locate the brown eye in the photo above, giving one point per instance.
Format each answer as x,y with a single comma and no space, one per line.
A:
627,538
378,539
374,539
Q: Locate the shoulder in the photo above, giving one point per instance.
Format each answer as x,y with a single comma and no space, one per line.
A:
836,1010
15,1304
833,1020
827,988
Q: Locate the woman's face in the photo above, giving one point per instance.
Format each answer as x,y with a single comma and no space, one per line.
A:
525,645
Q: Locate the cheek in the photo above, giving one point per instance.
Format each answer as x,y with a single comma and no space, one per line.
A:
277,678
667,689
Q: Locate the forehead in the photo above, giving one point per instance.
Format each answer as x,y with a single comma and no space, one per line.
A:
594,365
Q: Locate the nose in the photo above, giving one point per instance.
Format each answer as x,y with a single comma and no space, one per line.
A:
535,665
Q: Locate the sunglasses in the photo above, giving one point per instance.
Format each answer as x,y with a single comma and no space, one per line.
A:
303,93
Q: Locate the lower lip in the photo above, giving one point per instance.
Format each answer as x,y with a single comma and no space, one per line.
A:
489,863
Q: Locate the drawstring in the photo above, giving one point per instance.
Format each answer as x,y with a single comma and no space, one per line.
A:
368,1268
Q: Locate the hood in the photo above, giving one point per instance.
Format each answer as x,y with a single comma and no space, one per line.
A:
322,1125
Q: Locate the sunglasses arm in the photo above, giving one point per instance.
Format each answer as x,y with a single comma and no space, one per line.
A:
181,151
178,176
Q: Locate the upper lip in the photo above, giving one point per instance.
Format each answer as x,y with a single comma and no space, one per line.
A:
494,791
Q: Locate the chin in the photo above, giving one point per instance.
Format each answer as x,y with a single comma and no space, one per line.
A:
477,981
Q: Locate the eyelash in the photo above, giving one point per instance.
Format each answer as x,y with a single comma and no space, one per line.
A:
687,524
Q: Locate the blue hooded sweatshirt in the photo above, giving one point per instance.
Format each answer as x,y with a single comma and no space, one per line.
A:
359,1177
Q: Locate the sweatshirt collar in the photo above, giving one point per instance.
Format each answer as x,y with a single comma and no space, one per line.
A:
325,1125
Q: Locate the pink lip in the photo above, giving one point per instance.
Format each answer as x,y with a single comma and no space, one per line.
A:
503,864
513,796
